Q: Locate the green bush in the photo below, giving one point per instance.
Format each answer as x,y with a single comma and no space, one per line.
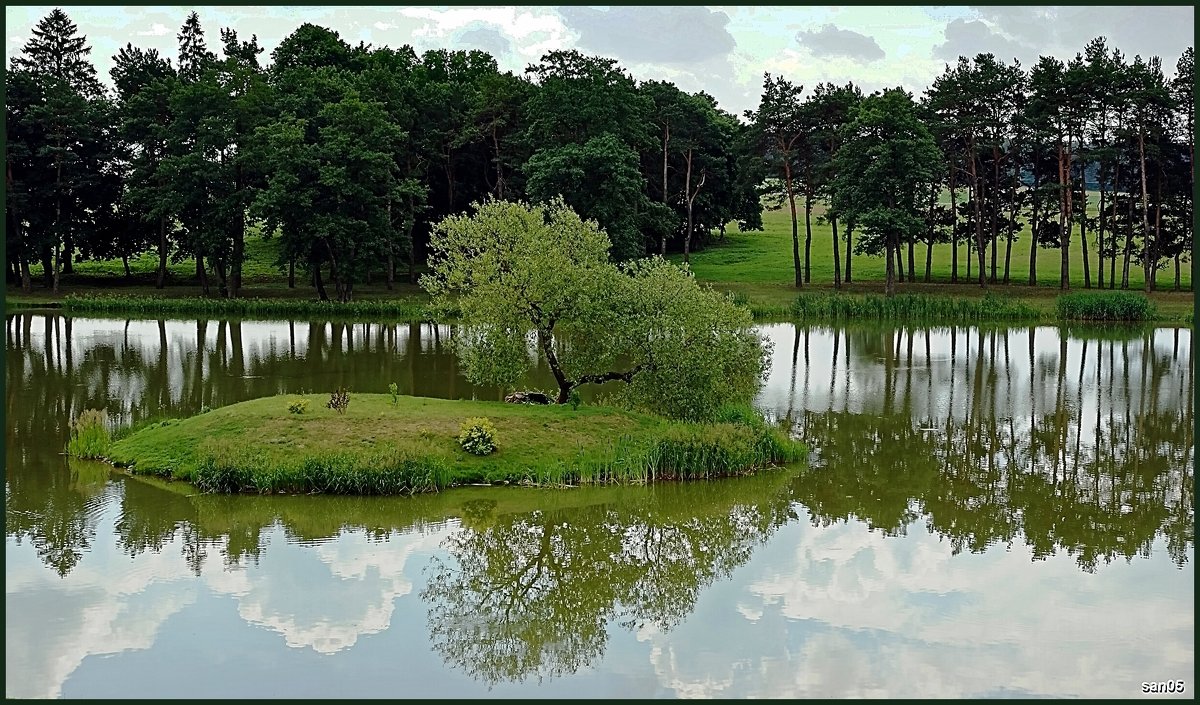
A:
339,400
477,436
394,390
90,436
1105,306
298,406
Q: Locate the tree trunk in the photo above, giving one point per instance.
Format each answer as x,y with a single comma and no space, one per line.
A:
849,249
391,270
953,225
200,272
791,195
26,279
837,260
808,199
891,269
161,280
1152,256
1112,263
977,201
292,272
912,266
1146,244
1034,222
317,282
564,385
125,263
1100,238
1128,244
932,232
662,249
1064,216
1087,267
899,262
995,208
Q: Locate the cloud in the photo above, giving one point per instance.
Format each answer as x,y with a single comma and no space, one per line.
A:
156,30
972,37
830,41
671,35
488,39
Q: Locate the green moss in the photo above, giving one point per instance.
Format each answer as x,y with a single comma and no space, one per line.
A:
381,447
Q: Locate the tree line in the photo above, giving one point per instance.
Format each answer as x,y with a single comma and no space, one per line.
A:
349,155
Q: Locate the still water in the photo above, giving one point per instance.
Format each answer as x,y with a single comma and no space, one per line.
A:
986,512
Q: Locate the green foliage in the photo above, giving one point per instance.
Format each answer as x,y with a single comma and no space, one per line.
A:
339,400
298,406
1106,306
477,436
90,437
575,400
394,390
522,274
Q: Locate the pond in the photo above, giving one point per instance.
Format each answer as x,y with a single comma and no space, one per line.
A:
986,512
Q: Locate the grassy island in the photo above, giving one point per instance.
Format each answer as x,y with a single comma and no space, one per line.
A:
378,446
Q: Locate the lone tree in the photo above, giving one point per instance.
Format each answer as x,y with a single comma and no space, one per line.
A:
539,275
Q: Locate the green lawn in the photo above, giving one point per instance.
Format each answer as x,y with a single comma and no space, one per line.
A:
260,445
759,265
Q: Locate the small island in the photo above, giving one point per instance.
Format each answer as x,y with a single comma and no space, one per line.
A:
381,444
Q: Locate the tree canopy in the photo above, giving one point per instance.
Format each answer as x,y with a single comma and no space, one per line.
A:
538,276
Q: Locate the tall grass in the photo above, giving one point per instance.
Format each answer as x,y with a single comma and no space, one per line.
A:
739,443
90,437
396,309
908,307
391,472
1105,306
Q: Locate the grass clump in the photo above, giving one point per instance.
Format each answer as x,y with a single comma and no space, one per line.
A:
910,307
1105,306
90,437
295,406
377,447
478,436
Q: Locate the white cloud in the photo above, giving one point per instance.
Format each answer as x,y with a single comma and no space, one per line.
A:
156,30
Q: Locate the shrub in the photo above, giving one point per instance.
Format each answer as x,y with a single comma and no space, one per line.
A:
575,400
1107,306
90,437
298,406
339,400
477,436
394,390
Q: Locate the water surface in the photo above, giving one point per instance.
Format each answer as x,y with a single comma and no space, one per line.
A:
987,512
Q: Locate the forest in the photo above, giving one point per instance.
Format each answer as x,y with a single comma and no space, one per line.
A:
348,156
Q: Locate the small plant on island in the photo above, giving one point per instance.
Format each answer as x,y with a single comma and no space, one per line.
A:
298,406
394,390
90,437
339,400
478,436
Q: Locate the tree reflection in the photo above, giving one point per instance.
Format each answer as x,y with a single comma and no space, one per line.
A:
1097,483
532,594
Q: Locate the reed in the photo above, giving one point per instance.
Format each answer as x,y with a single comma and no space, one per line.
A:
392,309
90,436
1105,306
911,307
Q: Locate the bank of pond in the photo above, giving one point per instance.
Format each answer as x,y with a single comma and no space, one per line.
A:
389,444
815,306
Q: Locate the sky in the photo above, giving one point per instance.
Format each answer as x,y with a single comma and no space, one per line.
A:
722,50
